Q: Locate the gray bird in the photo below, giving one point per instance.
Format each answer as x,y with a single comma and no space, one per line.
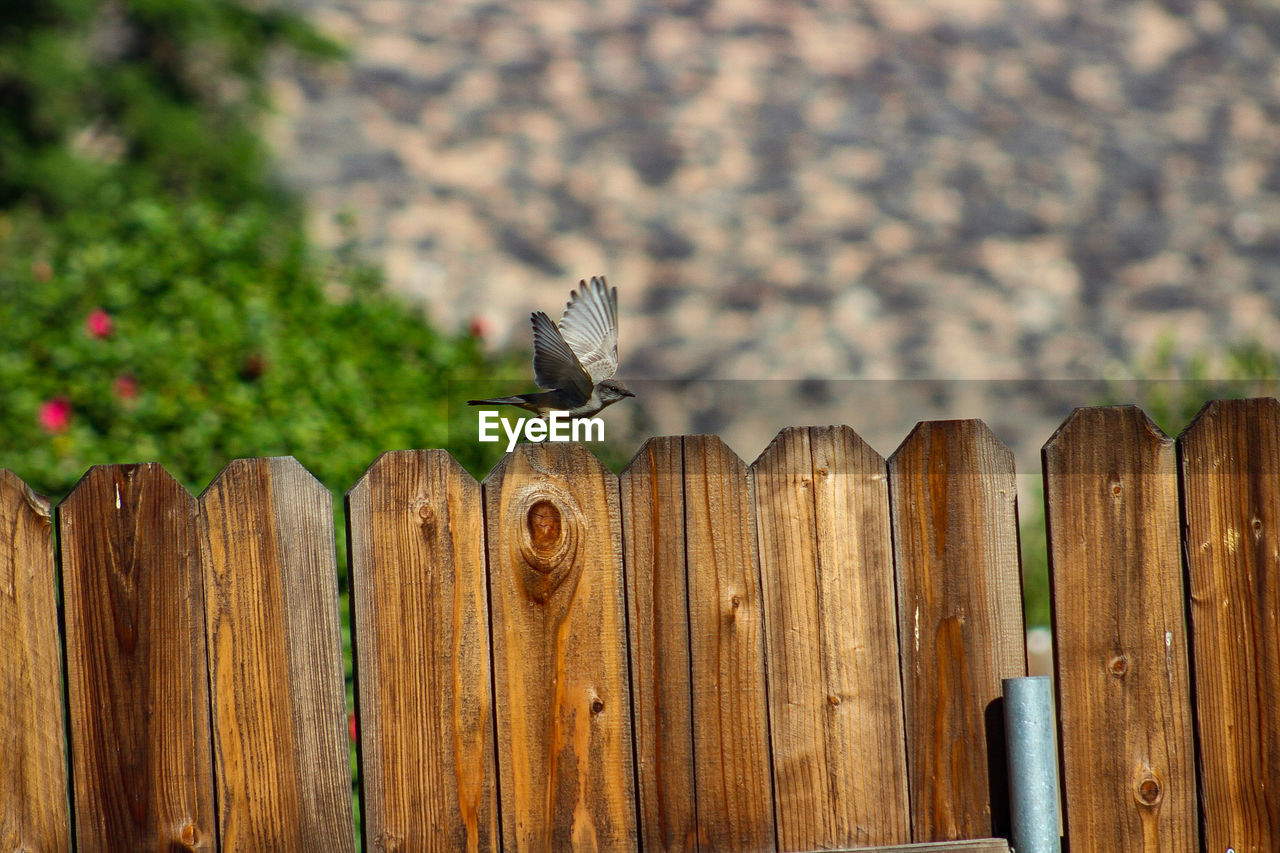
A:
576,361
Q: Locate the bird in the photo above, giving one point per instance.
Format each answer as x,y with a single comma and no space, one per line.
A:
576,360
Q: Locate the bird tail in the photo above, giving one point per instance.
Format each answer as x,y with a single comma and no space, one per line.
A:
500,401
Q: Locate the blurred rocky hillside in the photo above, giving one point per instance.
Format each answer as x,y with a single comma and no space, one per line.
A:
812,203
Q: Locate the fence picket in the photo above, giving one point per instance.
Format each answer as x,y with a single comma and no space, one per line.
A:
275,658
1120,633
559,651
1230,469
835,699
726,651
33,751
421,620
142,766
955,531
652,491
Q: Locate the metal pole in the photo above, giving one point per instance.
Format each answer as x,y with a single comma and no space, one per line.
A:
1033,764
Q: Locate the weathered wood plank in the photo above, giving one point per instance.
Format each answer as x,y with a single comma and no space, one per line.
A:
33,750
955,530
275,658
836,719
1230,468
137,679
976,845
421,618
973,845
1120,633
732,772
559,651
652,490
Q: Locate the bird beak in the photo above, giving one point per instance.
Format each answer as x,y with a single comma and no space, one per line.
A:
629,393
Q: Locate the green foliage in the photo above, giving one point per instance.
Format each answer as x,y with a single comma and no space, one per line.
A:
159,94
1172,388
224,342
1035,559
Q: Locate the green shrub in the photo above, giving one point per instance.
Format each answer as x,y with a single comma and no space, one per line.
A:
159,94
224,340
1172,388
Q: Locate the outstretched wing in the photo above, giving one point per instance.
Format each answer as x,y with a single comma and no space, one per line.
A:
554,364
590,328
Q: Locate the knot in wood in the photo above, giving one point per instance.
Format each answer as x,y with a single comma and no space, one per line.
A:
190,836
1148,791
427,521
597,705
548,526
544,525
1118,666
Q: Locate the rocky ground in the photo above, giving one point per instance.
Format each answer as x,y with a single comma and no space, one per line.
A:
808,208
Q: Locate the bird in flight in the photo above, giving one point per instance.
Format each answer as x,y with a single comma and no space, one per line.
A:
575,361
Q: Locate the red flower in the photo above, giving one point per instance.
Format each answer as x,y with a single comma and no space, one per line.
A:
479,327
351,725
125,386
98,323
55,415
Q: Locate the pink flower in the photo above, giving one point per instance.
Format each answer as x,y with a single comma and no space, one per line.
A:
479,327
55,415
125,386
98,323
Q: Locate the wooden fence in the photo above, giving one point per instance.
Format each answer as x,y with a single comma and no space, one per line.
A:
804,653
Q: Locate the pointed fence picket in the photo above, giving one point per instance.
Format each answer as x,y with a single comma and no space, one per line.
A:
275,659
420,611
33,786
803,653
1124,695
826,559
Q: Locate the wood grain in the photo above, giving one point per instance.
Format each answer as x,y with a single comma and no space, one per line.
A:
421,618
652,490
137,680
275,657
559,651
955,529
733,778
33,750
836,718
1120,634
976,845
1230,469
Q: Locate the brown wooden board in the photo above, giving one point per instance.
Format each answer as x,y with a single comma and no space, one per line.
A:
559,651
142,766
955,530
732,774
421,618
976,845
1120,634
835,698
652,489
1230,468
33,749
275,658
